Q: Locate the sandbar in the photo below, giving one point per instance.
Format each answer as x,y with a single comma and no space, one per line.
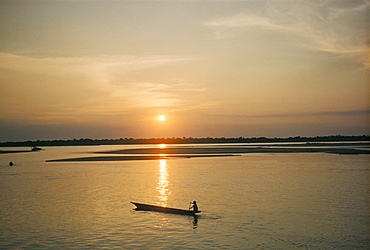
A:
14,151
238,150
133,158
212,151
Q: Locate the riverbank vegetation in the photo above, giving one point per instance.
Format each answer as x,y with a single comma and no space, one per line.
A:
182,140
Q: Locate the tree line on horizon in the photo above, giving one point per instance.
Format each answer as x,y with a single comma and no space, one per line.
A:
182,140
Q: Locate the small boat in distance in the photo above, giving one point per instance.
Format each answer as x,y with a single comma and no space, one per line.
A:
35,148
146,207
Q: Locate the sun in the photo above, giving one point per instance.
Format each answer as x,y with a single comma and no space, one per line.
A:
161,118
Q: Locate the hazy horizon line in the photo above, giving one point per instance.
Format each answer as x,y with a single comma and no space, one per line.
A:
194,138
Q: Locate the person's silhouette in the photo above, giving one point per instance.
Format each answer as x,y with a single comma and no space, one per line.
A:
195,206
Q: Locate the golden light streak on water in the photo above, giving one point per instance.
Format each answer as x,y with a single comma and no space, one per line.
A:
163,182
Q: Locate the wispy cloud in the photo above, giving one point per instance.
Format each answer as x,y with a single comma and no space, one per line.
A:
347,113
98,67
328,26
76,87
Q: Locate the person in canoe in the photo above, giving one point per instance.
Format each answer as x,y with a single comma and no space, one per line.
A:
194,207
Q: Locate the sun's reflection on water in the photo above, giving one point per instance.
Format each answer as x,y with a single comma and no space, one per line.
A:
163,183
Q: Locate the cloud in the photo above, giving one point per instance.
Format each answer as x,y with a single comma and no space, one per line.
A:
99,67
334,27
158,93
348,113
53,89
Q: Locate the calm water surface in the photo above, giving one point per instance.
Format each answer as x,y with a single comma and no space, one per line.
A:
252,201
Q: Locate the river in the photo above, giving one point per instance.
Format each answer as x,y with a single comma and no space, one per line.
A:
250,201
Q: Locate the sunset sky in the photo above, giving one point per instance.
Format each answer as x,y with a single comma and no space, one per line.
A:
108,69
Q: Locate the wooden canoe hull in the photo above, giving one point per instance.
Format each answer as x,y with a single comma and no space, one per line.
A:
146,207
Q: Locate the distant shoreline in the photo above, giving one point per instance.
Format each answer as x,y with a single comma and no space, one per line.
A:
155,152
183,140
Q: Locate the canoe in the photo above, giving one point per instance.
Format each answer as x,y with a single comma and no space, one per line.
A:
146,207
